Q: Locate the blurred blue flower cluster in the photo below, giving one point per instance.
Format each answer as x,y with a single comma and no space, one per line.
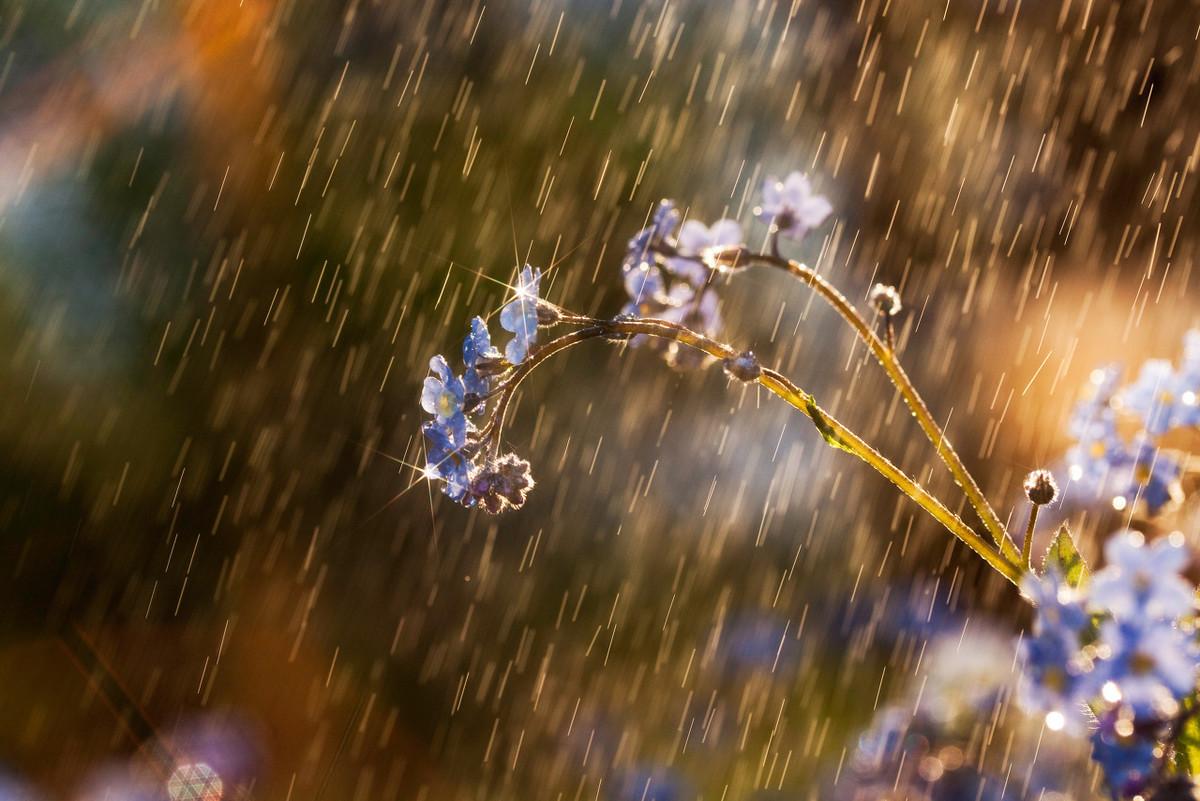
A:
666,278
925,746
1141,470
1118,652
668,268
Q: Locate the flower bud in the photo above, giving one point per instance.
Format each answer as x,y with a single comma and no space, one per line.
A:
488,366
743,367
501,484
546,314
1040,487
886,299
619,336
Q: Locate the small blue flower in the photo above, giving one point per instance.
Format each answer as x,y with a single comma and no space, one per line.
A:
1098,449
1152,477
1143,580
792,206
442,396
701,314
1151,663
477,345
643,283
694,239
519,316
1095,406
1127,761
1054,680
1155,397
444,460
662,224
1103,466
1060,610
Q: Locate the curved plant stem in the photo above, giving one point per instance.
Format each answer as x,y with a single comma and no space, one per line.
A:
886,357
833,431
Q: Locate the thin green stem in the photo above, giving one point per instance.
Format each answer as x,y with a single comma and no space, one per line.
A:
849,441
834,432
887,358
1027,543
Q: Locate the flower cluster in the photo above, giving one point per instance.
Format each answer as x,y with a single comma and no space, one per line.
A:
666,277
458,436
1143,468
1118,652
668,273
920,745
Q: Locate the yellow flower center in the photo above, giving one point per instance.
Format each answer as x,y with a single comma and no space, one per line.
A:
1141,664
1054,679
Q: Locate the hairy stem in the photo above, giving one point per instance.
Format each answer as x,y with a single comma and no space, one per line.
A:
886,356
833,431
1027,543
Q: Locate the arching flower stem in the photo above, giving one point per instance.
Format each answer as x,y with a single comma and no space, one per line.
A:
833,431
886,356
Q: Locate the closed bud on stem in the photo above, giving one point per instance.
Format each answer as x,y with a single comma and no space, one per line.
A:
491,365
547,314
1040,487
886,300
500,484
743,367
617,336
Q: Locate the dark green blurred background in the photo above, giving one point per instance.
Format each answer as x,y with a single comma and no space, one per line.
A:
233,233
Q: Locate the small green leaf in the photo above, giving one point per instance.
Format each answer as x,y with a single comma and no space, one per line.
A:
830,436
1187,745
1064,557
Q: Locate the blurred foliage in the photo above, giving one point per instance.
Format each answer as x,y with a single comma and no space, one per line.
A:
232,234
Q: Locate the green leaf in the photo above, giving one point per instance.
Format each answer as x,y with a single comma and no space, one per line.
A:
1064,557
1187,745
830,436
